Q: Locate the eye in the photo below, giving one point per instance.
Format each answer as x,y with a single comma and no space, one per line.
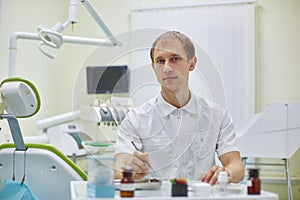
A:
160,61
175,58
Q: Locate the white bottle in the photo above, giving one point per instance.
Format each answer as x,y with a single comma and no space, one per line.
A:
222,183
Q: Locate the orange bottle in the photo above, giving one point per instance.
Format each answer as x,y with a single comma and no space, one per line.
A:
127,187
253,182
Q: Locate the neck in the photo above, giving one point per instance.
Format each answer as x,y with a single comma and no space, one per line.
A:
178,99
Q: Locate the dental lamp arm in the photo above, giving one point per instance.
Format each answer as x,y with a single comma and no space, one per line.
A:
12,62
53,38
100,22
73,10
60,40
35,36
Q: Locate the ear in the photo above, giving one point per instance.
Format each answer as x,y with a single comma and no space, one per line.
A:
193,62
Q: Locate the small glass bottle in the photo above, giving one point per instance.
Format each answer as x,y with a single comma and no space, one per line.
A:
253,183
222,183
127,187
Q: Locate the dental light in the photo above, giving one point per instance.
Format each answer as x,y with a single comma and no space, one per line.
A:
52,37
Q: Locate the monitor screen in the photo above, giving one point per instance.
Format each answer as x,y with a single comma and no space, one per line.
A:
107,79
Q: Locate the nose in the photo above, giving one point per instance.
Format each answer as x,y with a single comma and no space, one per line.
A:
167,68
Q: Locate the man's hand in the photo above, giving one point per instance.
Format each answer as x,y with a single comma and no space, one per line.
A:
233,165
211,176
139,161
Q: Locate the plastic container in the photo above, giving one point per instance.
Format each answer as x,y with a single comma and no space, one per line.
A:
202,189
100,177
222,183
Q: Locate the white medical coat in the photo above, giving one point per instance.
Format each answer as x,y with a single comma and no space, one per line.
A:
180,142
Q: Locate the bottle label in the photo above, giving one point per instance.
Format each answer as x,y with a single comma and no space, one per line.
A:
249,183
127,187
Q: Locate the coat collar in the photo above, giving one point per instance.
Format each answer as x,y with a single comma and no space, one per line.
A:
166,108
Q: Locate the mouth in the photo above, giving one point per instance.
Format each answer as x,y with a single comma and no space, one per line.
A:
169,78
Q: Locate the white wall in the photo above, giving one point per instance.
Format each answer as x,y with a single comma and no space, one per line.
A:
278,51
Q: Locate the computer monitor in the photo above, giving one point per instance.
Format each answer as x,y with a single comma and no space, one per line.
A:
107,79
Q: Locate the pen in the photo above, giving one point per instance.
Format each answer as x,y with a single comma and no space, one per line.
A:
136,148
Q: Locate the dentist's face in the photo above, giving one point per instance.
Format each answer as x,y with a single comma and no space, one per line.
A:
171,65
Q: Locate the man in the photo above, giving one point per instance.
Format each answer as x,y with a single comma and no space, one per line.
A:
177,134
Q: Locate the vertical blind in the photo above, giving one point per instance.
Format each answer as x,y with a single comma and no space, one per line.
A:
224,34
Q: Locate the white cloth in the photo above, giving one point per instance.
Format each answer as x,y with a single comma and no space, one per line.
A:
180,142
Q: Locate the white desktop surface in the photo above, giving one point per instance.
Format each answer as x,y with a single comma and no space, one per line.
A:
78,192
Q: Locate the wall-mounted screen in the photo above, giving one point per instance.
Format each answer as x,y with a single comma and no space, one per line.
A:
107,79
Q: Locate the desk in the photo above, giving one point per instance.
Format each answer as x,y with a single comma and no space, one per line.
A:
78,192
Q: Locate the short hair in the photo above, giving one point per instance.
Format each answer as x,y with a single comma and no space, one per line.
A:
187,44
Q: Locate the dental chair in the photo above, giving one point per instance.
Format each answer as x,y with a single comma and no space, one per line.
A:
42,167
